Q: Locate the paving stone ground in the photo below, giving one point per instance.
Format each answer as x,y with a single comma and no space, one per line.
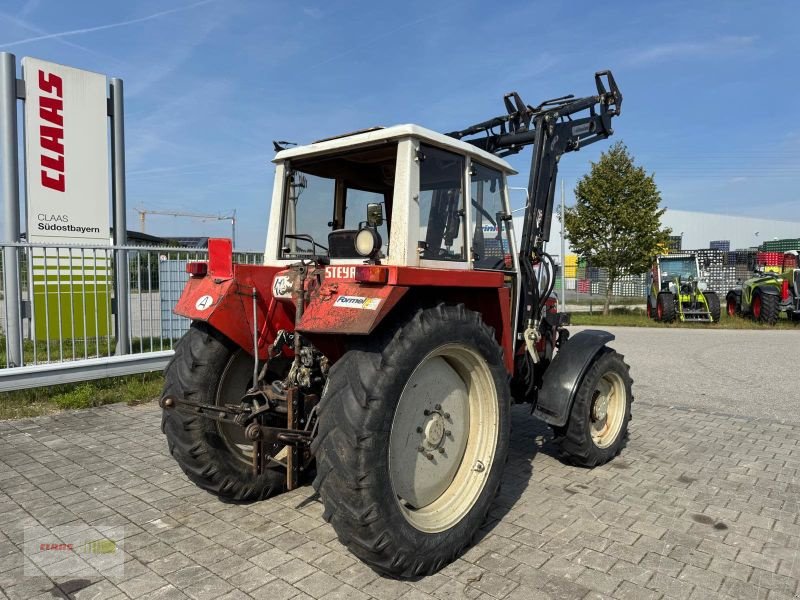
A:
698,506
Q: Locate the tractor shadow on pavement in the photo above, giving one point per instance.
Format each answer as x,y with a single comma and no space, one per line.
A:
529,437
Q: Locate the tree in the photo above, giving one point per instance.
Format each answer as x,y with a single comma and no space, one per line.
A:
616,221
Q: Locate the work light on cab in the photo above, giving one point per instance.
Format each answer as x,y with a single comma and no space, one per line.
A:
368,242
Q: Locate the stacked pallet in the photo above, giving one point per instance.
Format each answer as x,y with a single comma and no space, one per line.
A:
723,245
785,245
630,285
770,259
570,266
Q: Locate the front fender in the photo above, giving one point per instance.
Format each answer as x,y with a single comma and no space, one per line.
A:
769,290
562,377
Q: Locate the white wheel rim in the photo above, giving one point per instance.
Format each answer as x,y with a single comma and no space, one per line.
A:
443,438
607,409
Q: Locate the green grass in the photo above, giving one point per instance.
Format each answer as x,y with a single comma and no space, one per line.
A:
33,402
600,300
637,317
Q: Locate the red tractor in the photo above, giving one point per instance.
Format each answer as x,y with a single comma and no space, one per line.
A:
393,323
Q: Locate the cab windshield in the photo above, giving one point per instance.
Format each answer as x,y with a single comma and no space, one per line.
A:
679,267
331,193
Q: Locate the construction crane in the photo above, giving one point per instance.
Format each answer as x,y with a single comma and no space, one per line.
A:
143,212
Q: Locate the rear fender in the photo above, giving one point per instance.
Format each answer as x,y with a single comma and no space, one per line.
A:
227,305
562,377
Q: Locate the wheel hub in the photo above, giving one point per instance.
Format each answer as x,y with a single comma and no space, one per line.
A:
600,406
433,431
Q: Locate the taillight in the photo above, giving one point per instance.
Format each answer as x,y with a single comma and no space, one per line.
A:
371,274
785,290
197,269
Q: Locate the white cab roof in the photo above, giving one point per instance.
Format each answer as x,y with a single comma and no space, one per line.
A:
394,133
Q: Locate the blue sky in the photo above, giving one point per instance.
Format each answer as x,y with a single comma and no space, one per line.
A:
711,89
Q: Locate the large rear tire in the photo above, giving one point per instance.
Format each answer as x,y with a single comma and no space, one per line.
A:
413,434
713,306
597,429
210,369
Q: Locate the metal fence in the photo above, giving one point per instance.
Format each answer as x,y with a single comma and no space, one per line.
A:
69,327
586,285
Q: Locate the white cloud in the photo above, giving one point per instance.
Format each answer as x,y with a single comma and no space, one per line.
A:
85,30
313,12
721,46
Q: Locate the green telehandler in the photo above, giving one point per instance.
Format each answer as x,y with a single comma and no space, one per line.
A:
768,294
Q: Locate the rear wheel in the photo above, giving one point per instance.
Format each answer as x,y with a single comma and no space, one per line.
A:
713,306
665,307
413,435
209,369
765,307
597,429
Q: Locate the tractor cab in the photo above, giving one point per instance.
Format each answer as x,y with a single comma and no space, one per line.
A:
677,273
400,196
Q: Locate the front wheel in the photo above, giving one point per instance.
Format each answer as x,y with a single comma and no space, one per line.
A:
765,307
413,434
713,306
597,429
665,307
732,305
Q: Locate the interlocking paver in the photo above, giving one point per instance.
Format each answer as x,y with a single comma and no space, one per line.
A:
698,506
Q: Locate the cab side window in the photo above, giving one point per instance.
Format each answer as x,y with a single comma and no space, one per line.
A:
441,205
491,248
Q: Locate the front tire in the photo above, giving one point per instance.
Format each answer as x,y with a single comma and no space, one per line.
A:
765,308
413,434
597,429
209,369
713,306
732,305
665,307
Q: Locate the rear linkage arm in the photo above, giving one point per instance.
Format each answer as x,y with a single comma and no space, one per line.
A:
289,391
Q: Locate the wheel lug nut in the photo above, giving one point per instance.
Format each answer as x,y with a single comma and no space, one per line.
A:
419,429
428,455
426,412
438,407
441,450
447,416
448,433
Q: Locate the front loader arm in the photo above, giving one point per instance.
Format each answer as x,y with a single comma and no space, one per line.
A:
552,130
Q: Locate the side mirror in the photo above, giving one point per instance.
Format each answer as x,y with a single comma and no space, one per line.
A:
374,214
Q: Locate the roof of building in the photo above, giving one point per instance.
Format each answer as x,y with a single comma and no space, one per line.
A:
396,132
